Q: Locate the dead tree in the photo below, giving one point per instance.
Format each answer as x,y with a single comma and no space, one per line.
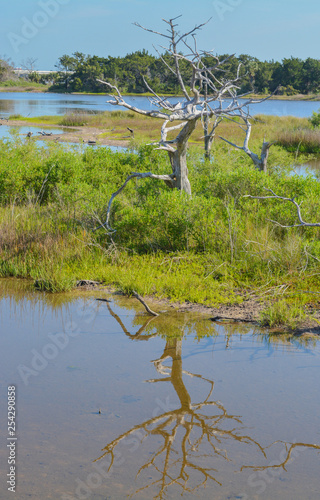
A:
181,117
260,162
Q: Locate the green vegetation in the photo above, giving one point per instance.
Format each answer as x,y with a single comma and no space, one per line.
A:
22,84
296,135
79,73
315,119
10,81
216,247
281,313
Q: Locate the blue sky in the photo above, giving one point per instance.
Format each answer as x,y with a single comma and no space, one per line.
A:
47,29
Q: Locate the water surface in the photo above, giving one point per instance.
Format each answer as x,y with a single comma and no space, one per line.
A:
38,104
113,403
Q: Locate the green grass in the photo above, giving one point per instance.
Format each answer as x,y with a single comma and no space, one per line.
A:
45,119
282,313
23,85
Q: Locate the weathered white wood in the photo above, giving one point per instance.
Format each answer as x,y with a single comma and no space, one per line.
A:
291,200
192,109
144,175
259,162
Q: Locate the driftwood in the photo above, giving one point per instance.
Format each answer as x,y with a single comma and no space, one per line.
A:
91,283
232,320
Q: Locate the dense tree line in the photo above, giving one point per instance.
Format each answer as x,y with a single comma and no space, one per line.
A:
80,72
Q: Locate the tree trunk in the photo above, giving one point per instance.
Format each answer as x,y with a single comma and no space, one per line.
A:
207,142
178,159
173,350
264,155
262,162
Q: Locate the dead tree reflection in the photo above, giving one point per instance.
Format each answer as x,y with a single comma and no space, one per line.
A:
139,334
195,436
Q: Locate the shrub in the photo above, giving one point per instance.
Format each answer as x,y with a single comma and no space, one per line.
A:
315,119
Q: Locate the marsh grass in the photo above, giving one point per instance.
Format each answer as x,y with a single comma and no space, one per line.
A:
295,135
23,84
300,140
216,247
17,116
282,313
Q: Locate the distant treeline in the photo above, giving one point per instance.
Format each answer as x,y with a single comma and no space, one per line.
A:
80,72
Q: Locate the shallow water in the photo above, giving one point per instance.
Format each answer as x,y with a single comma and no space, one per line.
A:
179,405
6,131
311,168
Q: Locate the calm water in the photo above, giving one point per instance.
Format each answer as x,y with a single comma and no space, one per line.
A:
30,104
311,168
188,409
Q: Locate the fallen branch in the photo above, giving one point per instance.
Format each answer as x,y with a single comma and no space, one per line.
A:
231,320
283,198
137,296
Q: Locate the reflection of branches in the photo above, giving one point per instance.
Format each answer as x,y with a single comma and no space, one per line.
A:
184,432
193,437
138,334
289,447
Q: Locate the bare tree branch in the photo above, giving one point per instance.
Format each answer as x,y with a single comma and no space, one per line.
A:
137,296
259,162
185,113
138,175
291,200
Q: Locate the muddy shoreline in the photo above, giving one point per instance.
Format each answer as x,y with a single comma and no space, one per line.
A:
78,135
248,311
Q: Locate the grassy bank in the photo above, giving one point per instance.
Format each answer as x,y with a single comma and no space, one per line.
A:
21,85
214,248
